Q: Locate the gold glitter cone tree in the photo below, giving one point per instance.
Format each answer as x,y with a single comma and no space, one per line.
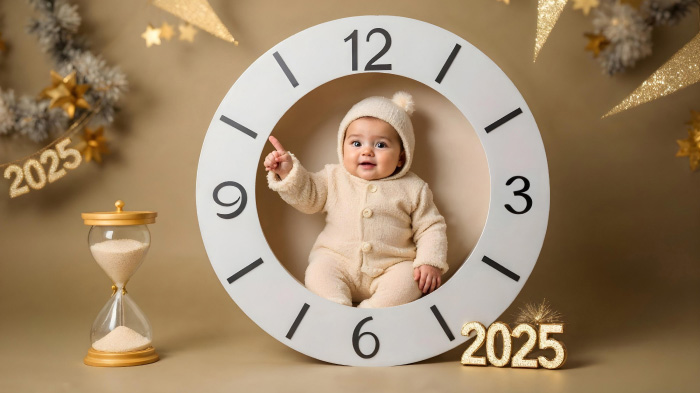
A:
682,70
548,12
198,13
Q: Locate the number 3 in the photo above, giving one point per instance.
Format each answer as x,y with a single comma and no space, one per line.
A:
520,193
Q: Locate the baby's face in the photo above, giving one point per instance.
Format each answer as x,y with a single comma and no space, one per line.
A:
371,149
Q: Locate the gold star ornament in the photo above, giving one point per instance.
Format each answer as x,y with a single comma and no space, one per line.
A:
690,147
166,31
151,35
596,43
93,145
694,121
585,5
187,32
65,93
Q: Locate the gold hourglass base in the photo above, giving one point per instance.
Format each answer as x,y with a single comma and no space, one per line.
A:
123,359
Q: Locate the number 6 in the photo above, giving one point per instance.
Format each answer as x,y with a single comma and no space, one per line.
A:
545,342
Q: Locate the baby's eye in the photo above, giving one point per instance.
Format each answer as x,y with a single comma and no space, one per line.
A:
381,145
356,143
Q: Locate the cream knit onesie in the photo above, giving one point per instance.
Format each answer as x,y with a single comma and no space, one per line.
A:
376,233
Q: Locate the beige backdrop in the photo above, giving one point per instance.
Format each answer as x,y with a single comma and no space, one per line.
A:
620,259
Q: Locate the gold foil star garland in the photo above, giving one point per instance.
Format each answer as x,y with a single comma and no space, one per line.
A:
166,31
682,70
548,12
198,13
690,147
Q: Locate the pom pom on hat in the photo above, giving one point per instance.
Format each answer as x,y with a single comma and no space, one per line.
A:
404,101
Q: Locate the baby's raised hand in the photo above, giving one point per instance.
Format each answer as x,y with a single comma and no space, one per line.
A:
279,161
428,277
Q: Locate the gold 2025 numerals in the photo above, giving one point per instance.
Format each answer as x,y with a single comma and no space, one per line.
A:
519,360
33,171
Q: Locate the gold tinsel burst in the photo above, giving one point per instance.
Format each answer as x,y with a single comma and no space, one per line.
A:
198,13
536,314
682,70
65,93
548,12
93,145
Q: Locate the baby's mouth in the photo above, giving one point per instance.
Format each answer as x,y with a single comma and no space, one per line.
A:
367,165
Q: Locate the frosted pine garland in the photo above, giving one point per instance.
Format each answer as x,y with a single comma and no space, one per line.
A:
56,28
629,31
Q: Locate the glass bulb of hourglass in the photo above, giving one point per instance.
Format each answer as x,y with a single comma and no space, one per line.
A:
120,326
119,250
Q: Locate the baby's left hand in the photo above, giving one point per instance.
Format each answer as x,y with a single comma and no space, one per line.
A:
428,277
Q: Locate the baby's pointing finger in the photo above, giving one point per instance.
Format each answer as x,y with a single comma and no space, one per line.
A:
277,144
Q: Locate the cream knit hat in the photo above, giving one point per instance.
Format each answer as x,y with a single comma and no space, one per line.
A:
395,112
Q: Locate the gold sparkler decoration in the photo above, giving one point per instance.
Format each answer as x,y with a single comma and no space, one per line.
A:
682,70
198,13
536,314
548,12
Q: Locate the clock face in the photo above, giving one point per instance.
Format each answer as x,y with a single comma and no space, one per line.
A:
486,283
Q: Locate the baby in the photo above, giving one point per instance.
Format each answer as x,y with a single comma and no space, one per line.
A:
383,232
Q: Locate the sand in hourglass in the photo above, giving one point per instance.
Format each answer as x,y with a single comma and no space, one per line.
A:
119,259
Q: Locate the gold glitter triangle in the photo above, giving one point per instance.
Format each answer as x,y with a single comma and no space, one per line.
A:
198,13
548,12
681,70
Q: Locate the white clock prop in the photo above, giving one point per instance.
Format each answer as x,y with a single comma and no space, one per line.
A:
486,283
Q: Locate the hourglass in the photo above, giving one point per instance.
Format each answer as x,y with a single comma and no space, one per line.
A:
121,334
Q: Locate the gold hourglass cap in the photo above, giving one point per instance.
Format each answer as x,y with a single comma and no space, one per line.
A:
119,217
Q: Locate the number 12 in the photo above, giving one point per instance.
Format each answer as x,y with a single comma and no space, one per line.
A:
370,65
